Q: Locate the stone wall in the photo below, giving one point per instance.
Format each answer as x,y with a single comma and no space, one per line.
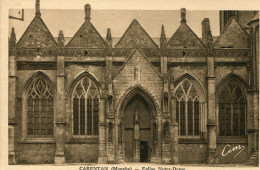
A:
232,153
81,153
35,153
192,153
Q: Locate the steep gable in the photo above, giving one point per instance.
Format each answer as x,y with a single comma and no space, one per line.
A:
87,36
136,36
135,60
233,36
184,37
37,35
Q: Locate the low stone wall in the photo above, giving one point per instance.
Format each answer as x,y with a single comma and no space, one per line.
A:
35,153
81,153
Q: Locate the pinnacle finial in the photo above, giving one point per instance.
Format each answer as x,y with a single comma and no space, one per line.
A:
61,39
207,38
163,36
87,12
37,8
12,40
183,16
109,37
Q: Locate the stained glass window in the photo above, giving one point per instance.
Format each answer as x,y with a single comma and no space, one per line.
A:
85,108
187,109
232,110
40,108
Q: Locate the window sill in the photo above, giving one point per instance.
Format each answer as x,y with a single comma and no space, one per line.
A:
83,139
191,141
232,139
39,140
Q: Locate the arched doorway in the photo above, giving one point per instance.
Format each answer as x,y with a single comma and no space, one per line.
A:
138,127
137,130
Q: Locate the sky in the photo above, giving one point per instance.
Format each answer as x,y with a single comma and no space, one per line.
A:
70,20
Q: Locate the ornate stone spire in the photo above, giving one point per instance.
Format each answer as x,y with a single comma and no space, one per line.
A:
61,39
109,41
163,36
183,15
12,39
12,43
207,38
37,8
87,12
108,37
163,40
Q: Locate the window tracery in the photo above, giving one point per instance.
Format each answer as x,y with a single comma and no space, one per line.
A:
232,110
187,109
85,108
40,111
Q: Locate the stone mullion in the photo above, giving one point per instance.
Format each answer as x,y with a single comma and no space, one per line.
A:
102,158
60,112
12,109
200,120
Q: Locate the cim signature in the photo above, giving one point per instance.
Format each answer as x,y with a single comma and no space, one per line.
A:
227,150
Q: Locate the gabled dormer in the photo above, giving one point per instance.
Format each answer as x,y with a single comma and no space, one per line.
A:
87,36
184,37
37,34
233,36
135,36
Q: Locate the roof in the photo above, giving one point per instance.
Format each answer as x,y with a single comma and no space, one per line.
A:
87,36
70,20
37,35
185,37
233,34
134,36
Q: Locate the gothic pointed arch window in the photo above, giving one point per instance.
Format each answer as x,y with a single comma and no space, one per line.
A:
187,109
85,98
40,110
232,110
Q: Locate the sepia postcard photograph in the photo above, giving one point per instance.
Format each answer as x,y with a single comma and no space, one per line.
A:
129,85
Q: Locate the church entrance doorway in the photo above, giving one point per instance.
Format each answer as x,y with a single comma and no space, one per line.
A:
137,131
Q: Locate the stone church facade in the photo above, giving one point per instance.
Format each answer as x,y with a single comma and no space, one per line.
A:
186,100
